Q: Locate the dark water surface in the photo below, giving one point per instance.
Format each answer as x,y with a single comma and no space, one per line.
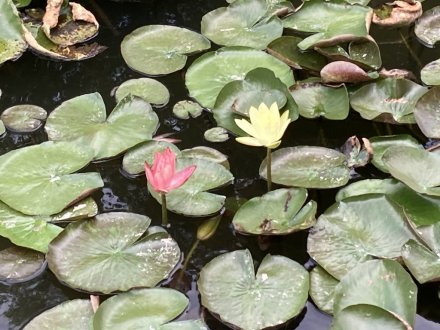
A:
47,83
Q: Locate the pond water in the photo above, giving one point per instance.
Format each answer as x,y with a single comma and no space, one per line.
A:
47,83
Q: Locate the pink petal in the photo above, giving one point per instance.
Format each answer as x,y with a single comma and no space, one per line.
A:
150,176
181,177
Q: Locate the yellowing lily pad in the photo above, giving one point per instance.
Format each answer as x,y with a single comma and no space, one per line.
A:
18,264
23,118
152,91
12,44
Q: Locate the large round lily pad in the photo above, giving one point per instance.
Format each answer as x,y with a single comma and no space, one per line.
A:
427,114
18,264
83,120
229,280
212,71
161,49
112,246
24,117
151,90
430,73
193,198
38,180
355,230
308,167
146,309
242,23
12,44
427,27
278,212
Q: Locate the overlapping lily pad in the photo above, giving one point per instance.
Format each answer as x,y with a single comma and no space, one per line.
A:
185,109
427,113
208,153
230,280
161,49
345,72
308,167
277,212
430,73
12,44
86,208
152,91
208,74
2,128
148,308
193,198
322,287
421,262
23,118
427,27
112,245
83,120
18,264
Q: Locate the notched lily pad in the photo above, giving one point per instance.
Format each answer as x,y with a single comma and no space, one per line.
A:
151,90
208,153
18,264
12,44
397,13
186,108
216,134
345,72
24,118
427,114
427,28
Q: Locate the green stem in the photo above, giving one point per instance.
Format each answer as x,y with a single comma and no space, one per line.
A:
187,259
410,50
269,169
164,210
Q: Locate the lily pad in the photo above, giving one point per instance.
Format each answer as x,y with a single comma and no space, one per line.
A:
358,154
112,245
322,289
278,212
84,209
161,49
21,3
192,198
230,280
331,22
83,119
242,23
145,308
37,180
72,314
2,128
12,44
427,28
426,113
185,109
354,230
430,73
389,100
421,262
315,99
23,118
308,167
18,264
345,72
208,74
208,153
216,134
151,90
397,13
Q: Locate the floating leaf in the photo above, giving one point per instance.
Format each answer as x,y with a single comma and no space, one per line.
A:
12,44
23,118
358,154
322,289
427,28
83,119
397,13
230,280
421,262
208,153
151,90
341,71
212,71
18,264
430,73
38,180
308,167
185,109
112,245
2,128
216,134
84,209
278,212
161,49
427,114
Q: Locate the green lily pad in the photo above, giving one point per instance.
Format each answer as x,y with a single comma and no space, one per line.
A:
112,245
322,289
429,235
308,167
380,144
84,209
72,314
151,90
421,262
427,28
185,109
259,86
12,44
379,289
216,134
242,23
354,230
18,264
315,99
161,49
230,280
37,180
21,3
192,198
83,119
144,308
278,212
24,118
389,100
134,159
331,22
207,153
208,74
286,49
430,73
426,113
2,128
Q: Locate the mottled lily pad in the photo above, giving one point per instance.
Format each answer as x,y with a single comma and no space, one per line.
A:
308,167
230,280
23,118
398,13
208,74
151,90
216,134
430,73
18,264
427,28
278,212
185,109
161,49
112,245
12,44
421,262
345,72
208,153
83,119
146,308
427,114
322,289
37,179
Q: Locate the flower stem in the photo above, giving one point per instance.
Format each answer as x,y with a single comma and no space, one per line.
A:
269,169
164,210
187,259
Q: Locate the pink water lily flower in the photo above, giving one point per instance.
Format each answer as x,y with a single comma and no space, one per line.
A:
162,174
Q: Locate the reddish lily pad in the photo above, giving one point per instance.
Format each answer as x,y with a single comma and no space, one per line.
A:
342,71
398,13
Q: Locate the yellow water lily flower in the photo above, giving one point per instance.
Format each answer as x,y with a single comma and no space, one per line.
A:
266,126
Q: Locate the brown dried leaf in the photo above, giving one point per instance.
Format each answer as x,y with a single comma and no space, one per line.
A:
79,13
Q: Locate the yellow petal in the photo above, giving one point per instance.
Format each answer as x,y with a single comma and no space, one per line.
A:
274,144
250,141
246,126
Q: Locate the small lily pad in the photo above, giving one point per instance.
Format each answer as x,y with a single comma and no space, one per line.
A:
151,90
308,167
18,264
216,134
278,212
24,118
119,248
358,154
322,289
344,72
430,73
427,114
208,153
12,44
185,109
230,280
161,49
427,28
421,262
84,209
2,128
